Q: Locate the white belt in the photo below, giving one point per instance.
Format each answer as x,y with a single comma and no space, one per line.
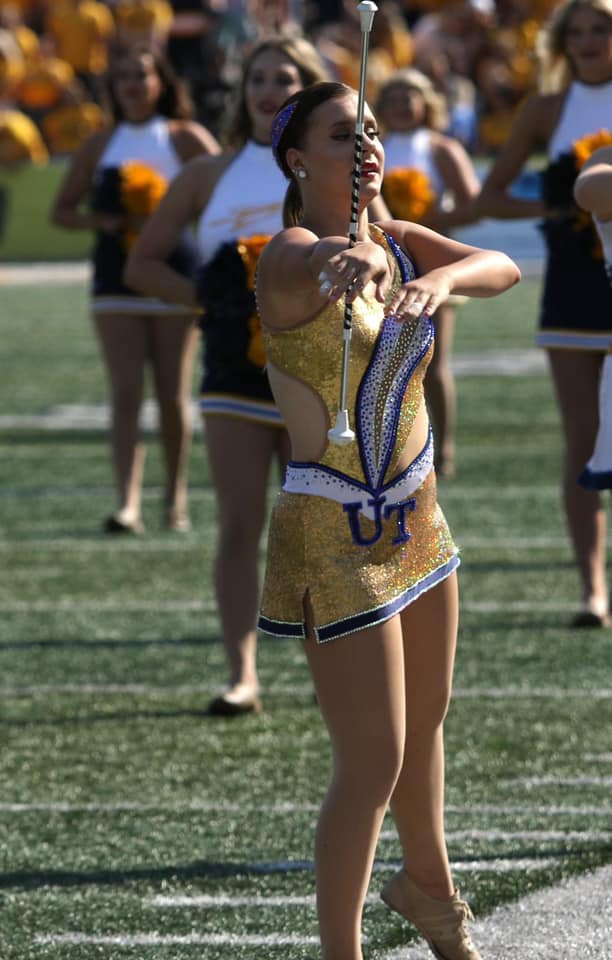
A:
320,481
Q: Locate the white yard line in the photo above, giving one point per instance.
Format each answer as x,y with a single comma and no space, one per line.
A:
564,922
290,809
454,491
144,689
556,781
520,836
176,939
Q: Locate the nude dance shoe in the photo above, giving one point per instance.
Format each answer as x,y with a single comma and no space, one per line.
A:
235,702
443,923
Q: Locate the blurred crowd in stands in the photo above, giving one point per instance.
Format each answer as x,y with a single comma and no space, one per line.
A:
481,54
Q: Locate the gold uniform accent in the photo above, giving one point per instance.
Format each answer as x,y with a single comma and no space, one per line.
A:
312,550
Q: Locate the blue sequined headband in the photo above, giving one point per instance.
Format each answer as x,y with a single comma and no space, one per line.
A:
280,122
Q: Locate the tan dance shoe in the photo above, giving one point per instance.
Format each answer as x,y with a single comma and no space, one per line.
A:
443,923
236,701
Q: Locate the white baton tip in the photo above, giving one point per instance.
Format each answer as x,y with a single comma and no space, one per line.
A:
366,9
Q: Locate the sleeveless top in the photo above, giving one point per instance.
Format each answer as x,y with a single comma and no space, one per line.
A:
586,109
413,149
149,143
312,353
246,200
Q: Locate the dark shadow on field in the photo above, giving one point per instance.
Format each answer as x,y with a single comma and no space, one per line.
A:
103,643
47,437
206,869
307,701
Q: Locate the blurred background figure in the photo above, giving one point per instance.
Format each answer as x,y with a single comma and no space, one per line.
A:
593,192
237,199
571,116
82,31
115,180
72,121
429,178
143,22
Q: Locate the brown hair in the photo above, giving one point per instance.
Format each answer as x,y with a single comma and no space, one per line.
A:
174,100
294,135
436,114
556,69
239,128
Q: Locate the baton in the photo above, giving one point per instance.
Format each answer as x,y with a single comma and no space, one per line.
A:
341,433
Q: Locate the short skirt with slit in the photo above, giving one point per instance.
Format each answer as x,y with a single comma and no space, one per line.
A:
312,554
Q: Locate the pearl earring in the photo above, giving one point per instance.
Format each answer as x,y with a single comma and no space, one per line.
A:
301,173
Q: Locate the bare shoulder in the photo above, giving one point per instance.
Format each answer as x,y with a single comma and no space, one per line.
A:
191,139
200,175
284,256
286,289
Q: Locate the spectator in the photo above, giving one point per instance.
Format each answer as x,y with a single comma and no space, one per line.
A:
82,31
144,22
72,121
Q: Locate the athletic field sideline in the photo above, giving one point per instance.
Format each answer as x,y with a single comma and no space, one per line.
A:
134,826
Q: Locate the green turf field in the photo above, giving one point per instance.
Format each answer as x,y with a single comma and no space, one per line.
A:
27,233
131,825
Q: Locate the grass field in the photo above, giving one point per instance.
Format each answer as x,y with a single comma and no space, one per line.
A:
27,233
132,825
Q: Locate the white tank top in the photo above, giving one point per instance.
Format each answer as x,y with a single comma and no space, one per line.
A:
148,143
246,200
586,110
413,150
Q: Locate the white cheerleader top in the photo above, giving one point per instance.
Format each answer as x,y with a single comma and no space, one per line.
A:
587,108
246,200
149,143
414,150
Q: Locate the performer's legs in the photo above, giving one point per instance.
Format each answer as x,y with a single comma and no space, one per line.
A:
240,456
174,343
429,629
124,347
440,391
359,680
576,378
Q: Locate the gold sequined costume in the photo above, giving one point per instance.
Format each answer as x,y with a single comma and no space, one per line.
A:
357,536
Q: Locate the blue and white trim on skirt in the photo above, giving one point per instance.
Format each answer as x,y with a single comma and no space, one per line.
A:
225,404
366,618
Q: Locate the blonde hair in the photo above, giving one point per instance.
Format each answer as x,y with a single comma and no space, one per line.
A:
556,70
239,127
436,113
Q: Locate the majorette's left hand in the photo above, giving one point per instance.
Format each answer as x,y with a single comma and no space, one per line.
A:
423,295
350,271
